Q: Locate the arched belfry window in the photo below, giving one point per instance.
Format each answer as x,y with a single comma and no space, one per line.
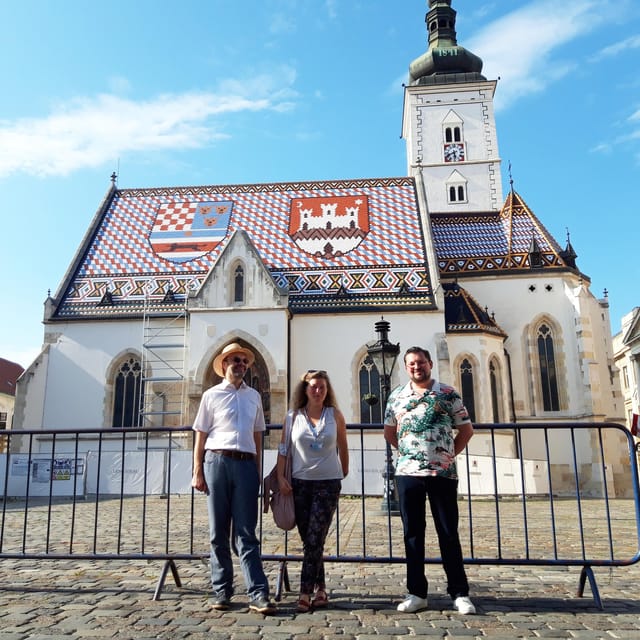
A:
128,394
457,193
238,284
453,134
466,384
369,386
456,186
548,373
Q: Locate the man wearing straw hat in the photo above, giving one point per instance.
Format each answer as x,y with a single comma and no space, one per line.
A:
226,466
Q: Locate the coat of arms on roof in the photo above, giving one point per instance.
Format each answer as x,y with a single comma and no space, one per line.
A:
327,227
184,231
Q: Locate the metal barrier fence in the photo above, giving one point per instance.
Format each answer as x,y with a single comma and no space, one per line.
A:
566,496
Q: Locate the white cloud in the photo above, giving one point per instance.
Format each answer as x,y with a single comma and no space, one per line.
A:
332,8
89,132
281,23
633,42
635,116
521,47
119,85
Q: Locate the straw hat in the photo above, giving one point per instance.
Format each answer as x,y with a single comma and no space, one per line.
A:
234,347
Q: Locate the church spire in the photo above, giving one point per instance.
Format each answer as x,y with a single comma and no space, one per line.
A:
445,61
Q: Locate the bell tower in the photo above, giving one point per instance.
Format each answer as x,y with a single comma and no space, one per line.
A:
449,124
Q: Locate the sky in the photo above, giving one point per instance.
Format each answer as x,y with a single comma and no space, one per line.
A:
207,92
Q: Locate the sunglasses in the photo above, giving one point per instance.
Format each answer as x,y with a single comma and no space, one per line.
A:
312,373
239,360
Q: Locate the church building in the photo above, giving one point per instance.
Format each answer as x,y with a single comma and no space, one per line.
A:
301,272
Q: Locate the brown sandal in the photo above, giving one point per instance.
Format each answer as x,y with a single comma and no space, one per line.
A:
321,600
304,606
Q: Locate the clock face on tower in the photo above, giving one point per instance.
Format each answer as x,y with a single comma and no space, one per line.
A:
453,152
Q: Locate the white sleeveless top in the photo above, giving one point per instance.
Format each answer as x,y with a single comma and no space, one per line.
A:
315,453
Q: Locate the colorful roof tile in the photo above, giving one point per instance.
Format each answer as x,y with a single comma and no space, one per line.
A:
463,314
490,242
331,245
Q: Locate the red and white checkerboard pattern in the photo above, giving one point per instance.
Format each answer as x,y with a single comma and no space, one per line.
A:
122,251
174,216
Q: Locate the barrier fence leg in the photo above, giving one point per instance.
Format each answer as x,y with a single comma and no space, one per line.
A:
283,576
587,572
169,564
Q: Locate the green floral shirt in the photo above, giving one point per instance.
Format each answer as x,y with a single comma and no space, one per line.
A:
425,424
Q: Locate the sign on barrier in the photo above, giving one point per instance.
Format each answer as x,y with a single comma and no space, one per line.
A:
42,475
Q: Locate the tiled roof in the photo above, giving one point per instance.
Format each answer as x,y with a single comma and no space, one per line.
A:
463,314
492,241
331,245
9,374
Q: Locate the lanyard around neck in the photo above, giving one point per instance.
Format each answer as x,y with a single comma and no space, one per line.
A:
312,428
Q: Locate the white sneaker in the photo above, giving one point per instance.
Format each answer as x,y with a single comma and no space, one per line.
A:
464,605
412,603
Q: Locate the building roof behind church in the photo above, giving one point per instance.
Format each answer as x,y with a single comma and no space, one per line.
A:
335,244
495,241
9,374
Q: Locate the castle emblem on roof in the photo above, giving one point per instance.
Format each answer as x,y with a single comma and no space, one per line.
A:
184,231
328,227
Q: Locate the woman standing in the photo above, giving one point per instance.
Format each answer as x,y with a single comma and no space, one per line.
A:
320,460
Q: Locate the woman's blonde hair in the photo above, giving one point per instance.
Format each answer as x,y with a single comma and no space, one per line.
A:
299,398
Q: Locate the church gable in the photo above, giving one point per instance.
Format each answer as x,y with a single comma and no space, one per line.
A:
491,242
331,245
238,279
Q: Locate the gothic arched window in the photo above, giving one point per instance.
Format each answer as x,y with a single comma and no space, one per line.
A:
495,395
548,375
466,383
369,386
128,394
238,284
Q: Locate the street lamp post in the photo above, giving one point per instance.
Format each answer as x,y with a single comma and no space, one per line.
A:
384,355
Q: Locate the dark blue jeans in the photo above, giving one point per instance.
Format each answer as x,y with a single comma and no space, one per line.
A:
442,493
233,496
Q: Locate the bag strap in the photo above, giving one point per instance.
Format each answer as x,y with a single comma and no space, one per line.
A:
288,427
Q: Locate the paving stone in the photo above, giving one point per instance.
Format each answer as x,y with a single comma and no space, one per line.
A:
114,599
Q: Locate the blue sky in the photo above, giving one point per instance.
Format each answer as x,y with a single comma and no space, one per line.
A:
228,92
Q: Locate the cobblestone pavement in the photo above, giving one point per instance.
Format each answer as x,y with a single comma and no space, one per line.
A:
114,599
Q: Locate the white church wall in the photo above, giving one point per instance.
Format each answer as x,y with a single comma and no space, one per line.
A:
265,329
518,303
601,379
30,393
78,363
337,344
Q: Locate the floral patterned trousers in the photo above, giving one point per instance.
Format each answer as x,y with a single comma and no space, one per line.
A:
315,503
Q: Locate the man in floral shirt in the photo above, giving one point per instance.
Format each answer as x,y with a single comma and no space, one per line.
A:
420,419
